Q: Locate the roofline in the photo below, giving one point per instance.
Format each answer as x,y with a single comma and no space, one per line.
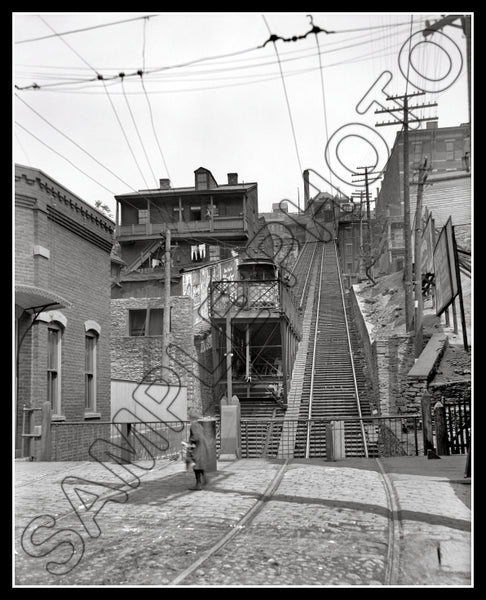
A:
64,188
186,191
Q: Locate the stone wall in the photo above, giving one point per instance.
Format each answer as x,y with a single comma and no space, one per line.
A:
388,360
451,391
137,358
367,349
395,357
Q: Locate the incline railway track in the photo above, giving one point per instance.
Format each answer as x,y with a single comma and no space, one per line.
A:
330,390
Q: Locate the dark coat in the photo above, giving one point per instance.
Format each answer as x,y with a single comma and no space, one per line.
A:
200,452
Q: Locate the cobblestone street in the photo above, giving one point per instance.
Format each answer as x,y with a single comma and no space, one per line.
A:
319,524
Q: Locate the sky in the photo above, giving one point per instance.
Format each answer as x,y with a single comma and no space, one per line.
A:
216,91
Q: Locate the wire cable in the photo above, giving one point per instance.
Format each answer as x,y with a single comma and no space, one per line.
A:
23,149
68,45
287,100
153,126
45,37
73,142
124,134
138,132
200,60
66,159
326,130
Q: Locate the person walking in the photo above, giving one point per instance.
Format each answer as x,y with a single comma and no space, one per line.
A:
199,451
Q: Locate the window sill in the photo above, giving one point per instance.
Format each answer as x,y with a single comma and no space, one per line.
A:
92,415
58,418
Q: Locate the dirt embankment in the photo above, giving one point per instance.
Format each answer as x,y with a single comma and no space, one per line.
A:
383,307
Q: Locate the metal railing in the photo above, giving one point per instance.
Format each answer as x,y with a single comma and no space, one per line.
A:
356,391
228,298
233,223
105,440
386,436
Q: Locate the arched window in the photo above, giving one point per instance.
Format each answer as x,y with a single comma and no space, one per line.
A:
54,339
91,344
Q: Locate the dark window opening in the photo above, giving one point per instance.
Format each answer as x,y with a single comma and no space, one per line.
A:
145,321
195,213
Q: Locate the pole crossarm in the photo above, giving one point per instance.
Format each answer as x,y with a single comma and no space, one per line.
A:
423,105
410,121
404,96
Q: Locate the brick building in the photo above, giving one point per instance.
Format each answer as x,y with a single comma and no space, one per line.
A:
448,152
287,231
62,307
210,224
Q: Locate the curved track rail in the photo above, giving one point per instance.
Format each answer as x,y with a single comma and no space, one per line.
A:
392,559
247,518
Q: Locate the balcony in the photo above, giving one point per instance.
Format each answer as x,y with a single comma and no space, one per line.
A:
183,228
253,299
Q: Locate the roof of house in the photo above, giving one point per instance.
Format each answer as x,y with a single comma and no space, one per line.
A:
220,189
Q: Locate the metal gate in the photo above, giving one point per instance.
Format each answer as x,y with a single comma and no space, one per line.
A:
458,424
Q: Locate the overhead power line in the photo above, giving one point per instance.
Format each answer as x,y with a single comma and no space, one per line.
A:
46,37
138,132
201,60
286,99
62,156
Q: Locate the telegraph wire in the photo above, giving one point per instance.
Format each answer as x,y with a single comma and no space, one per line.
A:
62,156
23,149
222,62
124,133
323,93
199,60
262,79
286,98
73,142
137,130
143,42
409,50
68,45
153,126
150,106
45,37
100,77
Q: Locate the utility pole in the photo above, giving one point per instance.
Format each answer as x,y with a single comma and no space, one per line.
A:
166,314
361,251
465,25
369,235
419,303
407,234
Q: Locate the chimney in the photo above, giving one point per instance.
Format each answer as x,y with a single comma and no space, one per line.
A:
306,188
232,178
432,125
164,184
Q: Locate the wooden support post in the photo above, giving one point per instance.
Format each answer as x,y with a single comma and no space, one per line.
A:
247,360
216,360
229,355
329,442
284,352
440,429
125,429
45,441
427,423
454,317
166,314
